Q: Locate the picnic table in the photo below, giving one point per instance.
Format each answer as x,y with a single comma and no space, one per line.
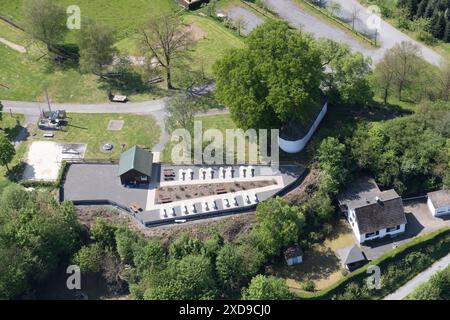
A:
220,190
119,98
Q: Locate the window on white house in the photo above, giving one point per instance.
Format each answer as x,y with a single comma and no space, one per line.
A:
393,229
372,234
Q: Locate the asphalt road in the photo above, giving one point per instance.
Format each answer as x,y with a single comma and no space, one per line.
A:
390,36
251,19
421,278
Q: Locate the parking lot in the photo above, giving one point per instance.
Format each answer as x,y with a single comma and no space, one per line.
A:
99,182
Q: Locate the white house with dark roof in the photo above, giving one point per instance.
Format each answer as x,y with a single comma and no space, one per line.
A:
439,202
372,213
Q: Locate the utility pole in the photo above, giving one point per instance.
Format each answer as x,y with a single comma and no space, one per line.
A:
48,101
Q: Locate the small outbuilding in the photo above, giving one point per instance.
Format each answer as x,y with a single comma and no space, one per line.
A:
293,255
135,166
353,258
439,202
191,4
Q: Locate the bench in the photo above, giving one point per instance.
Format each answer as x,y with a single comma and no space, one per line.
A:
48,135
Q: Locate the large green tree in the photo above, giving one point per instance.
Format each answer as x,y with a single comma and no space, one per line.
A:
279,224
347,74
36,234
274,79
7,151
96,42
267,288
45,21
190,278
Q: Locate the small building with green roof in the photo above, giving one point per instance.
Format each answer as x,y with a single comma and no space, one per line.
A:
135,166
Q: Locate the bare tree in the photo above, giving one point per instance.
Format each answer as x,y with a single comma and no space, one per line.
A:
240,23
166,39
354,16
334,8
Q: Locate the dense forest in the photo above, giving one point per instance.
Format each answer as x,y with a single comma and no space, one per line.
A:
437,12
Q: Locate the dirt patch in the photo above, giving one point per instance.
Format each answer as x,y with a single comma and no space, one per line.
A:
303,192
184,192
229,227
196,32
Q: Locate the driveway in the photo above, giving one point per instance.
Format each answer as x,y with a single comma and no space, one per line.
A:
421,278
303,20
76,186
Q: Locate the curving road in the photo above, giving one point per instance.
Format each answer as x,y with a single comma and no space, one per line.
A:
289,11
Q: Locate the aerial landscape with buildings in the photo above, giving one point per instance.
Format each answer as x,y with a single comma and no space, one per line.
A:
274,150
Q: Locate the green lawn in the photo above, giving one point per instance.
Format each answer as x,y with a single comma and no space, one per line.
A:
28,74
215,42
92,129
220,122
124,16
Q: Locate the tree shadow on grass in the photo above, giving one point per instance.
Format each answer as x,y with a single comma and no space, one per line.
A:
16,172
318,263
127,83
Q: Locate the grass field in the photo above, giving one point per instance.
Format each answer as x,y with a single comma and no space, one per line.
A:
221,122
92,129
317,260
215,42
28,74
124,16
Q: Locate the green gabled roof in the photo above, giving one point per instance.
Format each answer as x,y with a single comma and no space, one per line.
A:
137,159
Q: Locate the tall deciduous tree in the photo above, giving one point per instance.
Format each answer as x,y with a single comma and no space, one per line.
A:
347,74
398,69
45,21
279,224
275,79
166,39
96,42
7,151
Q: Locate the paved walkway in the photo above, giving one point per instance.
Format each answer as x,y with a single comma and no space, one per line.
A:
421,278
13,46
320,28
